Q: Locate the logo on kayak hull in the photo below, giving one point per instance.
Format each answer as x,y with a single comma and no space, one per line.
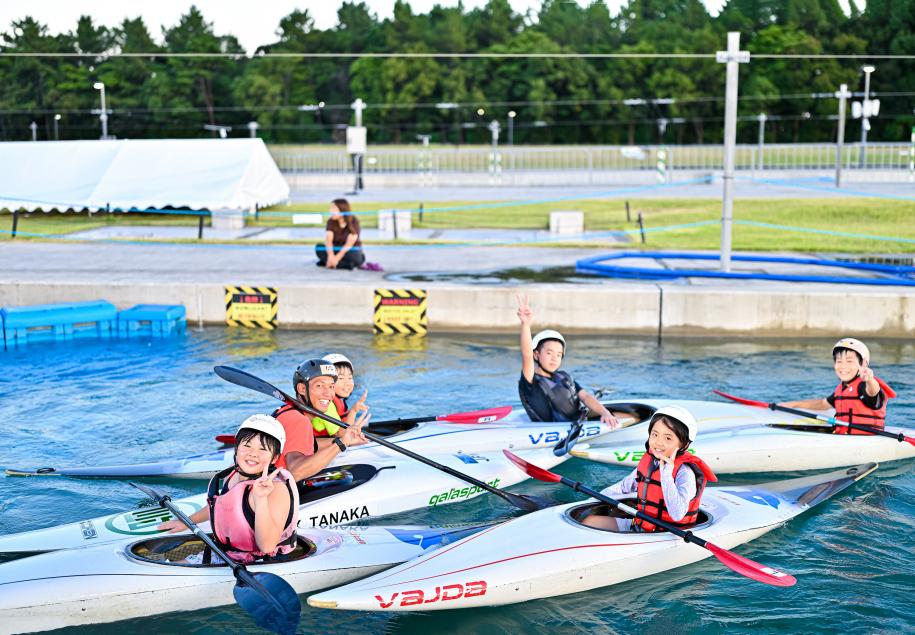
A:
441,594
142,522
456,493
340,517
553,436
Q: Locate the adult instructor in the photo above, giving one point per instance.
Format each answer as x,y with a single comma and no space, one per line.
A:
342,248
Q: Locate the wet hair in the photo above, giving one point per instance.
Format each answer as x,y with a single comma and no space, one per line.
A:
679,428
247,434
841,349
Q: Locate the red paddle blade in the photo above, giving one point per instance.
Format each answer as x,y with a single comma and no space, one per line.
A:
746,402
750,569
478,416
910,440
532,470
226,439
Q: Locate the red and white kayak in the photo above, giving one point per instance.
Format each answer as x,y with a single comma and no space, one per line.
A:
549,552
131,578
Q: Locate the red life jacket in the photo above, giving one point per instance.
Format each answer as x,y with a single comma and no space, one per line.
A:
232,517
341,407
850,408
651,496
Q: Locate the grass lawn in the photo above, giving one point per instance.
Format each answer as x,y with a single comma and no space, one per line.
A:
875,217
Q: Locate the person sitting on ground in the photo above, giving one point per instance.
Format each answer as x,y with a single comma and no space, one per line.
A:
547,393
253,505
665,491
305,454
342,248
860,397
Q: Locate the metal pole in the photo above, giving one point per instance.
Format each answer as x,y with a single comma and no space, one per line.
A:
104,116
865,111
34,127
511,127
56,130
843,94
732,57
761,117
15,223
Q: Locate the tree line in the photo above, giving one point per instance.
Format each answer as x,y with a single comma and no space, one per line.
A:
554,100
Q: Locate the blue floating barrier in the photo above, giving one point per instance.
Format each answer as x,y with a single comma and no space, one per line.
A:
156,320
28,324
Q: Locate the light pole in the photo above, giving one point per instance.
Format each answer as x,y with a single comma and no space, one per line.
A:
865,112
252,128
511,127
103,115
761,142
56,132
34,127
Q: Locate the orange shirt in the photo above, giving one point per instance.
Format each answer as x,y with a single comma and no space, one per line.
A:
299,433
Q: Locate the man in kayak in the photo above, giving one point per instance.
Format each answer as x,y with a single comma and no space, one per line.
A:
860,396
305,455
668,481
253,505
547,393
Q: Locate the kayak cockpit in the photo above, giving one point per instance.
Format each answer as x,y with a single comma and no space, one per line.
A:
578,514
392,428
629,413
190,551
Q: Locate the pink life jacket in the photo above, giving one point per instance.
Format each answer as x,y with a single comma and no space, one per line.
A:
232,517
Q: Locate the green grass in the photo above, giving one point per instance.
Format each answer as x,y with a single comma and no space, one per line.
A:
876,217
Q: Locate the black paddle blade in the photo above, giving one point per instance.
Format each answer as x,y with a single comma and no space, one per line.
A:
269,600
562,448
247,380
528,502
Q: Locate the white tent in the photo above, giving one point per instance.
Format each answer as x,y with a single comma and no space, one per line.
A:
220,175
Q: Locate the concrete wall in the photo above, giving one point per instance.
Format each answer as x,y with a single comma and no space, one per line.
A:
777,310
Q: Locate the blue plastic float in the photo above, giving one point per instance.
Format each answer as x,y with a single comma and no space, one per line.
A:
25,324
157,320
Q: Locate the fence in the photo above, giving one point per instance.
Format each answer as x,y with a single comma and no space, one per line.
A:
557,165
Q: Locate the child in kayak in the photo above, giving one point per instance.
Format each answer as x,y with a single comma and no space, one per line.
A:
547,393
668,481
305,454
253,506
860,396
343,389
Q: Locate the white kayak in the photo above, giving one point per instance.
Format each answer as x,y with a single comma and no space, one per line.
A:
515,432
758,447
131,579
549,552
338,496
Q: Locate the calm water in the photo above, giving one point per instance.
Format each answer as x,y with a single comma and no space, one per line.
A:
92,403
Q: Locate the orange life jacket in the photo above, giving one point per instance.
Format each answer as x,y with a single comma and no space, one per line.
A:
232,518
651,496
300,435
850,408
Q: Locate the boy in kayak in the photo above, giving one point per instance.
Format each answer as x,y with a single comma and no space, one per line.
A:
547,393
860,396
343,389
253,505
668,481
305,454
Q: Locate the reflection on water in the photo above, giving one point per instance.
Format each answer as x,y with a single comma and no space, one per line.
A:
129,401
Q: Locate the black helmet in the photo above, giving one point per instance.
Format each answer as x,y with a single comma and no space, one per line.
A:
311,368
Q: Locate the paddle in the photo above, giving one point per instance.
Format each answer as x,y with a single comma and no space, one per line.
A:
241,378
741,565
566,444
266,597
472,417
811,415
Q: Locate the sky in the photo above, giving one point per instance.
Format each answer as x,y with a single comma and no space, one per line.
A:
252,26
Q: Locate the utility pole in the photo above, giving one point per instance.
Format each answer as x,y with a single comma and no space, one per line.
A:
732,57
842,95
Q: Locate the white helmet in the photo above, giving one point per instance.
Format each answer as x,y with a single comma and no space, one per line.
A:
337,358
854,345
680,414
266,424
548,334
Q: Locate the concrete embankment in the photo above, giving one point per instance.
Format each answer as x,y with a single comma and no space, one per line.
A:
309,297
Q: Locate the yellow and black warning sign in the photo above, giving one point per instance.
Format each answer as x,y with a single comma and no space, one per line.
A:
254,307
400,311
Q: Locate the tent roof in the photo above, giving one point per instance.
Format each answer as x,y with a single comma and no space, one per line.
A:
212,174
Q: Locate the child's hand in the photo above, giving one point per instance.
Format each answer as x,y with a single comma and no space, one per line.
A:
359,406
263,486
172,526
663,458
608,418
524,311
866,373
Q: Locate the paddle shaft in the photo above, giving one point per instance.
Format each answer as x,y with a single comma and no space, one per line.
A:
833,421
232,375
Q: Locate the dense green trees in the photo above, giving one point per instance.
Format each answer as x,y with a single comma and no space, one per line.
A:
557,99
